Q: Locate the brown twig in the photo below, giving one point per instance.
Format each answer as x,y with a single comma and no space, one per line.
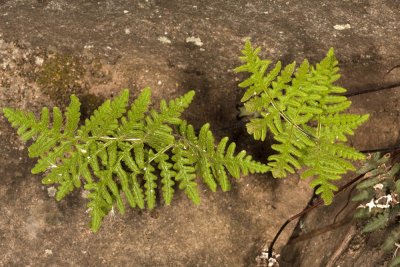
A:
319,231
317,204
396,153
372,90
342,246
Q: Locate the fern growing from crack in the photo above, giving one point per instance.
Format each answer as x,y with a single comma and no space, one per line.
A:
305,112
378,194
118,152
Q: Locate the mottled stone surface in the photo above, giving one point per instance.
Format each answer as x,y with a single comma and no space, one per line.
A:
175,46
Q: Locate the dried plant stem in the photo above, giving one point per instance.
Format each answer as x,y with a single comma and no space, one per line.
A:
318,203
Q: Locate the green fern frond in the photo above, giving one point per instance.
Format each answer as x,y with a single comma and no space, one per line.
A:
302,109
378,193
185,172
378,222
104,121
167,173
150,184
362,195
73,116
213,161
395,262
118,152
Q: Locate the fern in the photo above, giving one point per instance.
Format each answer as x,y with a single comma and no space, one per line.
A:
118,152
303,110
379,194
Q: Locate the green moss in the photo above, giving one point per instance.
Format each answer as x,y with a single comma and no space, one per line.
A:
60,76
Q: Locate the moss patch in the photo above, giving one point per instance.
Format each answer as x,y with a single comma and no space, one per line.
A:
61,76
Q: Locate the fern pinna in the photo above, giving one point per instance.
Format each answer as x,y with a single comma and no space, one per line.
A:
303,110
379,194
120,151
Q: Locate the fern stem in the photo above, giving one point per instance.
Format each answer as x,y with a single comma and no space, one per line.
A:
384,149
287,118
122,139
118,138
162,151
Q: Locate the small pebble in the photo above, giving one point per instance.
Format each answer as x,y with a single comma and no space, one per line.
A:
39,61
164,40
51,191
341,27
195,40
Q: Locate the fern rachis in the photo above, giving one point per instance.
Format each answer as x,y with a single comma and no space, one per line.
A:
119,151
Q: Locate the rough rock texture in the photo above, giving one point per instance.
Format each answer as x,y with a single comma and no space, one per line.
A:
95,48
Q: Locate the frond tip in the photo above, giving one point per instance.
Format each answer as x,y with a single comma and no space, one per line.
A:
119,151
303,111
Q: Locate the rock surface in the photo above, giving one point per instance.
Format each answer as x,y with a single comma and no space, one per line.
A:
50,49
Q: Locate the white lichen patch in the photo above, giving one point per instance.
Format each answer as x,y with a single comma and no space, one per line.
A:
85,194
195,40
164,40
57,5
341,27
51,191
383,202
265,260
39,61
378,187
48,252
88,46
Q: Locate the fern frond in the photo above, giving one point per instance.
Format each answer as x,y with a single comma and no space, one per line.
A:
26,123
379,192
395,262
157,128
343,151
51,143
72,116
98,205
302,109
362,195
325,165
373,162
132,124
167,174
185,172
377,222
150,183
258,127
105,119
118,152
123,177
336,127
214,162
